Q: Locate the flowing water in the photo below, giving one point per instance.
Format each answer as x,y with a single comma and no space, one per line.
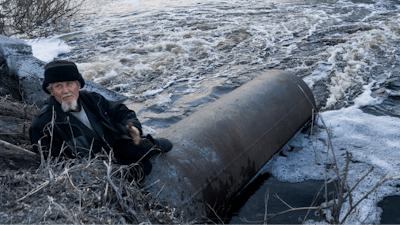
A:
173,57
337,47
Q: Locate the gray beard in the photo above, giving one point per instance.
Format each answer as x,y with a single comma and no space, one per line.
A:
70,106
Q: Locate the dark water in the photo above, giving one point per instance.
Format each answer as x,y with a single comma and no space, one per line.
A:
250,205
391,210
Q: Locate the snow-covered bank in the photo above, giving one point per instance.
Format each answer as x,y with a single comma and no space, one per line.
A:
28,69
47,49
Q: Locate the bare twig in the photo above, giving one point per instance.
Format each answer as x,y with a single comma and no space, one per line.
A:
266,197
276,196
289,210
40,187
117,191
366,195
219,219
36,17
337,207
14,147
312,203
362,178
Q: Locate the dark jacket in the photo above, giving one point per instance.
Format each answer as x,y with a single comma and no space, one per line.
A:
69,137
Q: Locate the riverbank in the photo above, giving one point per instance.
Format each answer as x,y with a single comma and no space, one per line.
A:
190,53
65,191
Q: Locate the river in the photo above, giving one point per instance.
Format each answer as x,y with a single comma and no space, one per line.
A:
172,58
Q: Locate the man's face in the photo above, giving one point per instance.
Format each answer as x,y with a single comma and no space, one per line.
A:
66,91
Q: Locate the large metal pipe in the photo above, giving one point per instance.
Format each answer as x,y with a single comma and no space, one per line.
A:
220,148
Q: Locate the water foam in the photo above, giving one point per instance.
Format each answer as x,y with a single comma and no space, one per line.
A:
373,141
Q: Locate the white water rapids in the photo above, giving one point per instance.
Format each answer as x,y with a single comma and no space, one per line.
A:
173,57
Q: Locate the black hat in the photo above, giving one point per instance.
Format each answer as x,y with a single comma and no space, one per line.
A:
60,71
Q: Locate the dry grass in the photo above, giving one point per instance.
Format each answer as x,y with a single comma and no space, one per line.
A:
82,190
88,190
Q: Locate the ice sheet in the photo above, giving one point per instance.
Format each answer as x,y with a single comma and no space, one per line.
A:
373,141
46,49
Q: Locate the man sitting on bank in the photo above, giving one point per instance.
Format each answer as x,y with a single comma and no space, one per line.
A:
74,123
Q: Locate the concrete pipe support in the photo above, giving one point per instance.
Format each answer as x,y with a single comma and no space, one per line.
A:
221,147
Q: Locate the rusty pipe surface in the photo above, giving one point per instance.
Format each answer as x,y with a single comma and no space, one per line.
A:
220,148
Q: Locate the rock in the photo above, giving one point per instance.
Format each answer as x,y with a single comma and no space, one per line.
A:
7,83
10,46
29,72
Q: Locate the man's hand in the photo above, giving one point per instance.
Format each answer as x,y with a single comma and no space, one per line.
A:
134,132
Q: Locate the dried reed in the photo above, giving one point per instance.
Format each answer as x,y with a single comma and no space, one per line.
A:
77,191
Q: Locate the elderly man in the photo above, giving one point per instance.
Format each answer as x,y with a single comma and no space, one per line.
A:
75,123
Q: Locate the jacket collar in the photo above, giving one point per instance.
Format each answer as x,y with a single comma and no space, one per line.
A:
63,117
